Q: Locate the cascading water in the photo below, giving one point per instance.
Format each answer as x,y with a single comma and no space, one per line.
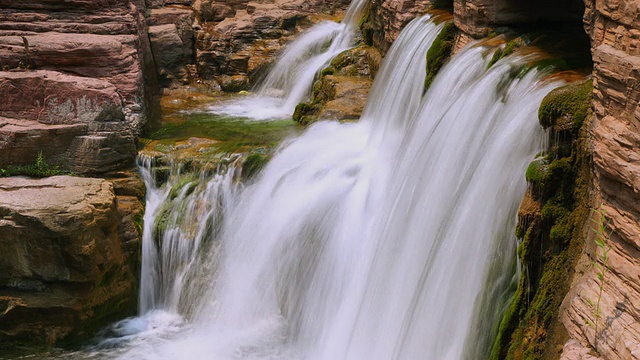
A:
173,241
389,238
291,77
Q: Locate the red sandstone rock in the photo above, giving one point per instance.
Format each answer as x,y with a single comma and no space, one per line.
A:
389,17
614,28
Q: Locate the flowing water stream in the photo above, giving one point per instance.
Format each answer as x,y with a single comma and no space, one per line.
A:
290,79
389,238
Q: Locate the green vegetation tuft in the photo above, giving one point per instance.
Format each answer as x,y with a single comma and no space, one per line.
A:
366,27
187,183
566,106
439,52
40,168
508,49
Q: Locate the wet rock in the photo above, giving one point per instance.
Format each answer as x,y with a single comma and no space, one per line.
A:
233,83
349,100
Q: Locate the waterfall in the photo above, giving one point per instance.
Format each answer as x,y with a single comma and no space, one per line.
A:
389,238
290,79
182,215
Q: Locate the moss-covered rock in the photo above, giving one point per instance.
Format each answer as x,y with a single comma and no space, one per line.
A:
552,236
536,171
439,52
344,82
253,164
366,27
567,106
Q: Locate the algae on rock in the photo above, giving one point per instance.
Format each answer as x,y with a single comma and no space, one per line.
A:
439,52
551,225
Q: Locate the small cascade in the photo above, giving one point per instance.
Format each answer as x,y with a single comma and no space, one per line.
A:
290,79
182,217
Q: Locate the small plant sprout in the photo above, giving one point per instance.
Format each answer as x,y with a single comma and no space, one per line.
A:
602,265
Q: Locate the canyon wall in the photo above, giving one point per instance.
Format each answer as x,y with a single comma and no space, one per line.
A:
614,29
78,75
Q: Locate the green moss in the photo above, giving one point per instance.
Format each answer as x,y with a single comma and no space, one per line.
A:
253,164
187,181
304,111
536,171
508,49
365,26
568,103
231,134
138,221
439,52
329,70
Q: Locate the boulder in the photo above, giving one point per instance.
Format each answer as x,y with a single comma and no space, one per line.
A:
184,20
168,53
65,273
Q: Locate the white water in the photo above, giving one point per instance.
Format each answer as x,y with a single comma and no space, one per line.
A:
172,271
290,79
390,238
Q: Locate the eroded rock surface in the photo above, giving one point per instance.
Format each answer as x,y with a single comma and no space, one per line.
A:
614,28
478,17
64,272
83,68
389,17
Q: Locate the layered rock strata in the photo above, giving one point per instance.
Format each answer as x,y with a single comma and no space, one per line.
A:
614,29
389,17
80,68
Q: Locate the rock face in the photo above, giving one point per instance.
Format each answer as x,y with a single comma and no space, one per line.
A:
478,17
72,120
389,17
95,80
65,272
172,43
614,28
